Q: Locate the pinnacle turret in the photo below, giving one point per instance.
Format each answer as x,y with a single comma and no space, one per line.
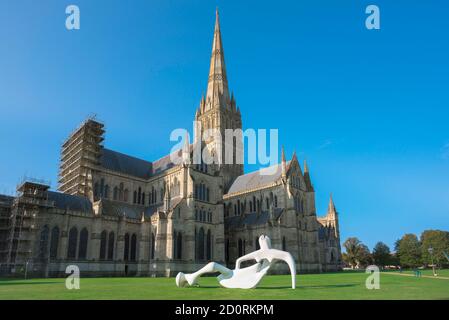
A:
284,163
331,206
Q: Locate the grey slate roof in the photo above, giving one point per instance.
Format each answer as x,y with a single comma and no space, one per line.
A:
252,219
257,178
70,202
164,163
123,163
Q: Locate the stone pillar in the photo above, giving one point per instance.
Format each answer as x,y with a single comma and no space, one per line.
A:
93,252
189,231
120,243
144,247
219,236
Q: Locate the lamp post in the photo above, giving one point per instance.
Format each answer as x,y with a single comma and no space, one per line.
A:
431,257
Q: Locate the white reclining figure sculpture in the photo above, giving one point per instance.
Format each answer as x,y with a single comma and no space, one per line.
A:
245,278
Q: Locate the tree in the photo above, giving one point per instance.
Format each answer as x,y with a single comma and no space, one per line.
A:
364,257
357,254
381,254
352,246
409,251
439,241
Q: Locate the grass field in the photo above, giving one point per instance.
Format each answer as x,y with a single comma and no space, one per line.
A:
343,285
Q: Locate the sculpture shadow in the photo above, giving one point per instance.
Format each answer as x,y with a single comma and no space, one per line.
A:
329,286
286,287
16,283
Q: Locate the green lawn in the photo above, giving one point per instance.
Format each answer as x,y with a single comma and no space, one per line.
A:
343,285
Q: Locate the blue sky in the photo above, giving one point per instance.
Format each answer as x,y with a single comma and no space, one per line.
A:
369,109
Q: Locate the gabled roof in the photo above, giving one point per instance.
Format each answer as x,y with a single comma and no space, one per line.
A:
257,179
164,163
70,202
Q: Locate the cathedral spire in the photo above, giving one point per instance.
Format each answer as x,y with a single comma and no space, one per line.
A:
217,85
306,168
331,207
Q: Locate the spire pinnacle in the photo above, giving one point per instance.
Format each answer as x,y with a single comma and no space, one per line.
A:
306,168
283,155
331,207
284,164
217,86
186,150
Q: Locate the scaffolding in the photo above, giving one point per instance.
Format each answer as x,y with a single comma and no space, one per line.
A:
80,155
24,224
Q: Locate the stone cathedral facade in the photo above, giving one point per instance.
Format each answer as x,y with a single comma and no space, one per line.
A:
116,215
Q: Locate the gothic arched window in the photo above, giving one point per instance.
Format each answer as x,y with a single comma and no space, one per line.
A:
126,248
115,194
201,244
153,245
139,195
84,235
284,244
103,244
120,192
179,246
111,246
125,195
175,244
43,243
73,242
106,191
275,201
209,245
240,247
133,247
54,242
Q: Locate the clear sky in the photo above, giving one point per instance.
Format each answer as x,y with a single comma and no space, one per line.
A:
369,109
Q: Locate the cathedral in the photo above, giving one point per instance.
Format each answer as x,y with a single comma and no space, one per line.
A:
117,215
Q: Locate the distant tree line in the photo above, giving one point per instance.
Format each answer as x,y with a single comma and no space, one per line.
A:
409,251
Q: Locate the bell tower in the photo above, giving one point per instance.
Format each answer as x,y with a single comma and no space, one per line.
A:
218,110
